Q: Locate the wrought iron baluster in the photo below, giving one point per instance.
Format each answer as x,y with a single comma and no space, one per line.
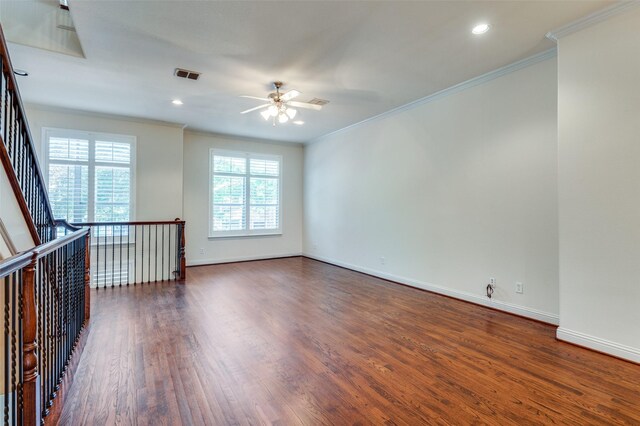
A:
8,349
128,251
14,346
149,256
162,264
142,257
135,254
155,258
120,257
169,274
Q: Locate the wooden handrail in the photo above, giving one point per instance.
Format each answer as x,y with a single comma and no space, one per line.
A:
62,223
15,263
22,260
148,222
47,248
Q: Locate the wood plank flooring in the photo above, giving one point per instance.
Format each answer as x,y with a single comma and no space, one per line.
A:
295,341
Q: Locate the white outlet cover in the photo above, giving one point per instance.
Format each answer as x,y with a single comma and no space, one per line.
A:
519,288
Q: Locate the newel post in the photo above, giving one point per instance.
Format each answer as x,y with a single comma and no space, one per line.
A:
181,250
87,277
31,378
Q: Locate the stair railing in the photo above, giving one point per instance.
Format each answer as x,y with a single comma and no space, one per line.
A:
45,295
18,156
131,253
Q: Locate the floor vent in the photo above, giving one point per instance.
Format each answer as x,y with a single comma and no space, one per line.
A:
182,73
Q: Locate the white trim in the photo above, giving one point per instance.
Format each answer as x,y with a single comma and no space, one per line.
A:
233,235
598,344
203,262
484,78
462,295
592,19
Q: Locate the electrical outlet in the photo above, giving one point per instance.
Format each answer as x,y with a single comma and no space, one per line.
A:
382,260
492,281
519,288
314,247
201,250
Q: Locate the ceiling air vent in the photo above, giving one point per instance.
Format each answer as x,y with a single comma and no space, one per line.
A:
317,101
182,73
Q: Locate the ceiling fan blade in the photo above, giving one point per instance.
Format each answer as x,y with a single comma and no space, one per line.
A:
290,95
254,97
253,109
305,105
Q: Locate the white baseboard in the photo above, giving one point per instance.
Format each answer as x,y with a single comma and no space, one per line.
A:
457,294
202,262
598,344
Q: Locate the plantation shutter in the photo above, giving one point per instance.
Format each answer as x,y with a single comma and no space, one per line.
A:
69,178
245,194
112,181
90,176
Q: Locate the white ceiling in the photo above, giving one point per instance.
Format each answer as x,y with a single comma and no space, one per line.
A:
365,57
42,24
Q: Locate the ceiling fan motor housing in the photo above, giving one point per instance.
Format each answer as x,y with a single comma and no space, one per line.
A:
279,105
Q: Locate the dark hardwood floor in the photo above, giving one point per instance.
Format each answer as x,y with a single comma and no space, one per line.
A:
295,341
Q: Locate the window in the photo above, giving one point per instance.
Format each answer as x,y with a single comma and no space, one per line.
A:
245,194
90,176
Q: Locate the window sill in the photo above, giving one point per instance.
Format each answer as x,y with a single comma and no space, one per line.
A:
241,236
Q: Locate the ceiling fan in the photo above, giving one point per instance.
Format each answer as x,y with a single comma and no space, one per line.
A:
279,105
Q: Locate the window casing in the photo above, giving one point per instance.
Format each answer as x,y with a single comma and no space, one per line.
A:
90,176
245,191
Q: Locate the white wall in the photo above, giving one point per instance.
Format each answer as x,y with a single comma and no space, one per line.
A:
196,199
599,186
450,193
158,155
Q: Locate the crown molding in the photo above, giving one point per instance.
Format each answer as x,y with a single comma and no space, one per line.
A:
592,19
481,79
238,138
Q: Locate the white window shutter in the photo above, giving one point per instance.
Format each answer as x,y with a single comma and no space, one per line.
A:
245,193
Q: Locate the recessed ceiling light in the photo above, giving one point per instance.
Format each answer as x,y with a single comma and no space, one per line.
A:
480,29
176,102
298,122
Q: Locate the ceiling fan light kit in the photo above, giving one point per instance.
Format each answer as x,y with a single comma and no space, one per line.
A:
279,105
